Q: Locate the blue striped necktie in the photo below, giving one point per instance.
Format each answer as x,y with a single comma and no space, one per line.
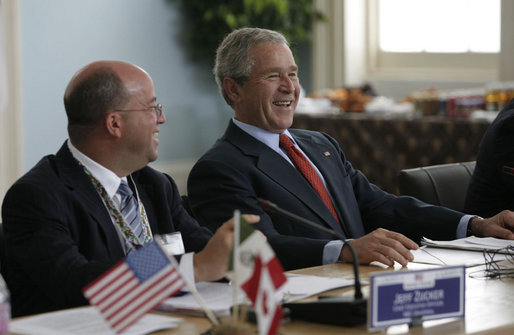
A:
130,210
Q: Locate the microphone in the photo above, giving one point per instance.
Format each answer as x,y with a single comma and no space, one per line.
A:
330,310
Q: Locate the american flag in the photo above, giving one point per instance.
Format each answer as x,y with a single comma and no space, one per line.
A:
134,286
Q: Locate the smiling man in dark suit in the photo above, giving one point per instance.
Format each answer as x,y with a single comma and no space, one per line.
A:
66,222
304,172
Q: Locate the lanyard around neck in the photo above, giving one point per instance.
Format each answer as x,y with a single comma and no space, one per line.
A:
125,228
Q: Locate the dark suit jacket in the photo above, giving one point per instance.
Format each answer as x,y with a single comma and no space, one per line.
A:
239,168
59,235
491,188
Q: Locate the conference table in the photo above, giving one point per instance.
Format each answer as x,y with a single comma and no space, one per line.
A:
489,307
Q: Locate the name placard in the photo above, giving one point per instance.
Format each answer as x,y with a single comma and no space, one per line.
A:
172,243
416,295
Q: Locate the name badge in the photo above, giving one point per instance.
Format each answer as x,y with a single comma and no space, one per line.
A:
171,243
414,296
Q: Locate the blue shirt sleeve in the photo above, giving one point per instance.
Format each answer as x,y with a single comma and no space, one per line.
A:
463,225
332,251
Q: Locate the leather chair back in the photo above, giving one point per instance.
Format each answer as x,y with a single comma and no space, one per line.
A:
445,185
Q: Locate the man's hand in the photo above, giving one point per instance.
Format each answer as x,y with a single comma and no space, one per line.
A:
383,246
211,263
501,226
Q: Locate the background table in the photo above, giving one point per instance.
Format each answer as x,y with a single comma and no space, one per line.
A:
380,147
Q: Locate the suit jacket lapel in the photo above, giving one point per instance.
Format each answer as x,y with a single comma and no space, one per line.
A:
282,172
327,160
77,181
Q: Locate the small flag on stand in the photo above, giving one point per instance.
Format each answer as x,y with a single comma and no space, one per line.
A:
134,286
261,276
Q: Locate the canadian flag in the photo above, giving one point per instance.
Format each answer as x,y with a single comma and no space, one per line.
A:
261,276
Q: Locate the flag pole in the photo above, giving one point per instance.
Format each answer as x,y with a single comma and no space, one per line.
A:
235,265
210,315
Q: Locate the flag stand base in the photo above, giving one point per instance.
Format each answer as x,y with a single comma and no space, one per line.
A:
227,326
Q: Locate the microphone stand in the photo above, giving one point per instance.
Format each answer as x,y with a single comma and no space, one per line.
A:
356,309
271,207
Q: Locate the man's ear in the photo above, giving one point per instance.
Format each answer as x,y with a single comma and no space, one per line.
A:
232,88
113,123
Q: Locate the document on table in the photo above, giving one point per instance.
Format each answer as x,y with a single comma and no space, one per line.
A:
303,286
472,243
86,321
447,257
218,296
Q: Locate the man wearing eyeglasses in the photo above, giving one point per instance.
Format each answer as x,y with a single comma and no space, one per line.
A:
69,219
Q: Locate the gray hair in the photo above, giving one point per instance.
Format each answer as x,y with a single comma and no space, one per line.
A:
233,54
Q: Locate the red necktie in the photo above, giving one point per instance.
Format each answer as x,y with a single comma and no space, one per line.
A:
305,167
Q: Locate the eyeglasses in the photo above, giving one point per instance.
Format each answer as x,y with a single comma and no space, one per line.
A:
157,109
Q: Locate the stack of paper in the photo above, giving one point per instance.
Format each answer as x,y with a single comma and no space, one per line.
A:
218,296
466,251
472,243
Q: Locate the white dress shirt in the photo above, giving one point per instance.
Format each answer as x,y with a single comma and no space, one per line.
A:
111,182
